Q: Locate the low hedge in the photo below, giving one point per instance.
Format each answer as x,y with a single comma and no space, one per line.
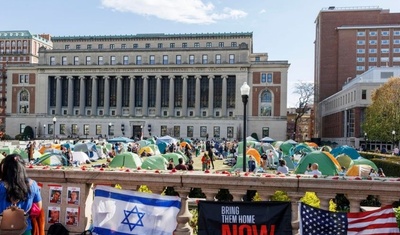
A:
389,163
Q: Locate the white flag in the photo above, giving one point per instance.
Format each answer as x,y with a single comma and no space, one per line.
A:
122,212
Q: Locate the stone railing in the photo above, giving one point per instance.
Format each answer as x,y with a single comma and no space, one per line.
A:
326,188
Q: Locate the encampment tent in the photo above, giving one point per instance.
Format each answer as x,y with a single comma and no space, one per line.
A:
52,159
327,163
126,159
349,151
156,162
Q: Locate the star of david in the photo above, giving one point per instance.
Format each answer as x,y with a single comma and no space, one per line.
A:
139,221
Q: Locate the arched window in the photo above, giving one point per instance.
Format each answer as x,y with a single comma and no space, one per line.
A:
23,102
266,103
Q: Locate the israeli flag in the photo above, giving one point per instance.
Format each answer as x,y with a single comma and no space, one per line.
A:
122,212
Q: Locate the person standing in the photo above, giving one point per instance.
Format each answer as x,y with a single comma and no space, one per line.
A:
16,187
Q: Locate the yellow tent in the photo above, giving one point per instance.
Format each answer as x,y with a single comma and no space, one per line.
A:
47,146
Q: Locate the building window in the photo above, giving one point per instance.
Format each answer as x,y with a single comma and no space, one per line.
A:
112,46
360,59
98,129
89,46
216,133
373,33
64,60
178,59
62,129
135,46
100,46
372,59
172,45
78,47
191,59
100,60
265,132
396,59
165,59
189,131
361,34
66,47
163,130
177,131
203,131
123,46
76,60
396,50
372,50
384,59
233,44
266,103
385,33
229,131
208,44
360,68
231,59
184,45
396,41
126,60
147,45
112,60
372,42
385,42
257,59
360,42
364,94
221,44
196,44
152,59
159,45
139,59
384,50
218,59
52,60
87,60
396,33
23,78
205,59
74,129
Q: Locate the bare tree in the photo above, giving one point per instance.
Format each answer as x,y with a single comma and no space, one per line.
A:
306,92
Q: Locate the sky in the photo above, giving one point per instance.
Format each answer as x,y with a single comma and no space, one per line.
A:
284,29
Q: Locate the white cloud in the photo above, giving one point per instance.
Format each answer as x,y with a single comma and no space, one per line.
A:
184,11
262,11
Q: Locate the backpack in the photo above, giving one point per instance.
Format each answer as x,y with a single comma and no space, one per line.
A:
57,229
13,220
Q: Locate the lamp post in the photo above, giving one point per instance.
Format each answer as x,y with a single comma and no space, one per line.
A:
109,129
149,129
123,129
244,91
44,131
366,140
393,134
54,129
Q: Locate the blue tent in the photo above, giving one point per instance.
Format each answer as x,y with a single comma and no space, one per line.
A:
349,151
120,140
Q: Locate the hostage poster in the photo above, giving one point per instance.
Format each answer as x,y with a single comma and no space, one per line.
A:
242,218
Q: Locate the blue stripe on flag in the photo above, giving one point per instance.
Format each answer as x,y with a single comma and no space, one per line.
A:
138,199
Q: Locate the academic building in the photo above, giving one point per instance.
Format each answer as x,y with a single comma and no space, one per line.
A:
349,43
17,47
183,85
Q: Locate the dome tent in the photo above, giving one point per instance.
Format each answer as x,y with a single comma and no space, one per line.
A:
328,165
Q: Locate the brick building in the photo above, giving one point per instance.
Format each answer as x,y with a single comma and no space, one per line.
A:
349,42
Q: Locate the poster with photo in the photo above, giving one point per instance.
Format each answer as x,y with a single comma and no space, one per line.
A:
73,195
55,193
53,214
72,216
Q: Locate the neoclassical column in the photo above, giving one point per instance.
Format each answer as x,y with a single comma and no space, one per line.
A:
171,95
119,95
211,95
294,199
158,96
355,201
82,96
184,95
58,96
324,200
70,95
224,94
132,95
145,95
94,95
106,95
197,99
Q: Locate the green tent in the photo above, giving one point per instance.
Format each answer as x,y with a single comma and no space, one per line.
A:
6,149
126,159
155,149
249,143
239,163
345,160
51,159
286,146
185,158
21,152
174,156
156,162
364,161
328,165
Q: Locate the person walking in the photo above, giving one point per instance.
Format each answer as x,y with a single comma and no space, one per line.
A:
17,188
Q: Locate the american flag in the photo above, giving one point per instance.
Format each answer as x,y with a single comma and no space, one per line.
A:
322,222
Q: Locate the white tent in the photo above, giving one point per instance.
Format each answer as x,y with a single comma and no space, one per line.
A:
81,157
